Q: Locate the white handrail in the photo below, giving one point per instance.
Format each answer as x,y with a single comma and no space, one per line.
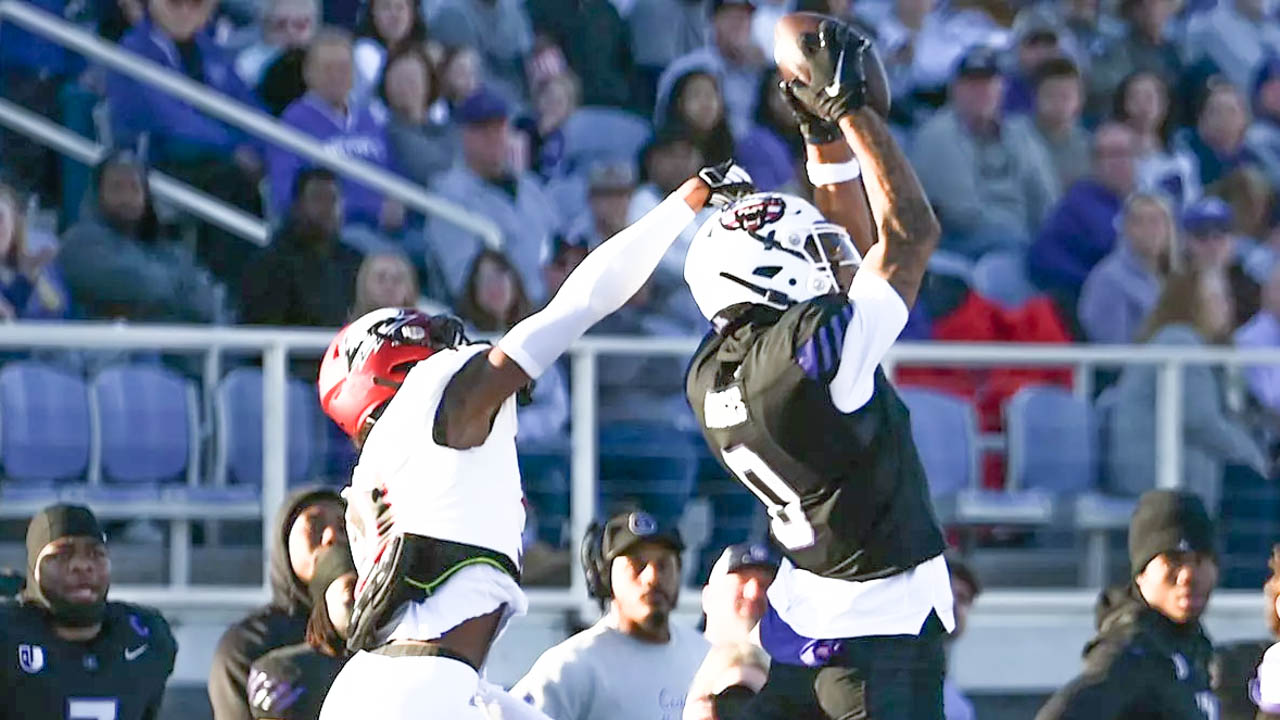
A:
242,116
205,207
276,345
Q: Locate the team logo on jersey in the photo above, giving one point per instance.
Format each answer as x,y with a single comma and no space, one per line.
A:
754,214
724,408
31,658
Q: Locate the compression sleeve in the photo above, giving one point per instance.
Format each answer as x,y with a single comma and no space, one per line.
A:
879,314
605,280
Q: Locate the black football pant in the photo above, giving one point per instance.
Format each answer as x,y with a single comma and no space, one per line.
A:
893,677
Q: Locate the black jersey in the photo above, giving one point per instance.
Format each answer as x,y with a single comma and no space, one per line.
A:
119,675
846,492
291,683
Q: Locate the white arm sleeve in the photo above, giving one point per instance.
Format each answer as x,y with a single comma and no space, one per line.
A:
498,704
606,280
879,315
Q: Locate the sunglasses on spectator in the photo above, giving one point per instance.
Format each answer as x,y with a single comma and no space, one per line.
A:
298,23
188,3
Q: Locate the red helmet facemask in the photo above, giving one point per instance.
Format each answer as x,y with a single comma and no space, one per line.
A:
368,360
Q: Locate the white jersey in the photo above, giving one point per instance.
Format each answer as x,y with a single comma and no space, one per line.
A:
467,496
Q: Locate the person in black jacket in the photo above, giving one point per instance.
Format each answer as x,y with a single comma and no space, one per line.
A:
309,521
65,650
1151,656
291,683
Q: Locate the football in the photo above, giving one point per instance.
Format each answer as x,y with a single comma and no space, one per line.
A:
787,35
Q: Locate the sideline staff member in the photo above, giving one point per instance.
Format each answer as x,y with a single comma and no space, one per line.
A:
65,651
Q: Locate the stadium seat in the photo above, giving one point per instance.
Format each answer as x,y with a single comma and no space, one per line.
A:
599,134
1002,277
239,413
945,430
148,421
46,431
1052,440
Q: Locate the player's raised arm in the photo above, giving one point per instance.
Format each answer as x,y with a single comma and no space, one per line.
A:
835,174
604,282
904,220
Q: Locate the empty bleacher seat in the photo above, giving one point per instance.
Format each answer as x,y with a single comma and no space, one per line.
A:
1052,440
945,430
1002,277
148,423
45,427
239,412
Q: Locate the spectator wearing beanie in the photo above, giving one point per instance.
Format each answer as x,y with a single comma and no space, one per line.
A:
991,182
1263,136
1121,290
1151,655
1081,229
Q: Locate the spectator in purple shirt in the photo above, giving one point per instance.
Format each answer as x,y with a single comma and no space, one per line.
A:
1035,41
1081,230
1216,144
341,128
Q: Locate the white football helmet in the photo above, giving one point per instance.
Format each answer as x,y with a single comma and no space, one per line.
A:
769,249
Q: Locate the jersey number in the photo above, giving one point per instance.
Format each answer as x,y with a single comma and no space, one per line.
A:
92,708
787,519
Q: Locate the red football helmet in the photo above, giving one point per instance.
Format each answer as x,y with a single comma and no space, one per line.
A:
368,360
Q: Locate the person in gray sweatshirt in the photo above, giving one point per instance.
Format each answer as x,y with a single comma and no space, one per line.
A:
117,261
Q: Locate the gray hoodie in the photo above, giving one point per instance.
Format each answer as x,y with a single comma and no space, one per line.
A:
114,275
1210,437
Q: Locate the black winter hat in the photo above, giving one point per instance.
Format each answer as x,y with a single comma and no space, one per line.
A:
1168,521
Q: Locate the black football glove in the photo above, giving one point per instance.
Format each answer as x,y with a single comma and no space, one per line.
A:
813,129
837,82
728,183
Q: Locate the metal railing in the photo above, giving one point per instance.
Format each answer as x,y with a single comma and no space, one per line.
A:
277,346
207,208
251,120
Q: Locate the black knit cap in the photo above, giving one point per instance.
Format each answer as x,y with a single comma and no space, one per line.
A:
331,564
56,522
1168,521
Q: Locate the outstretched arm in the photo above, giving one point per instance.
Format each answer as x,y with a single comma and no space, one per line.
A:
605,280
903,218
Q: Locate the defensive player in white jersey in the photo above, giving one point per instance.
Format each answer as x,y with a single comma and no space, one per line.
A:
434,511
